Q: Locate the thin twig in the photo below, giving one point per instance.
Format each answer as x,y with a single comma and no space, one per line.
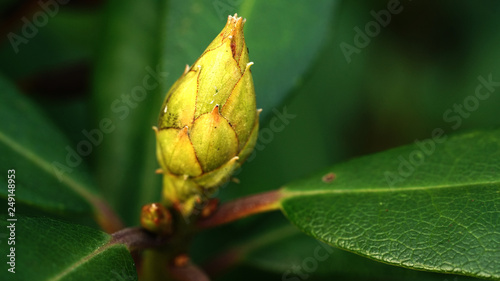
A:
138,238
241,208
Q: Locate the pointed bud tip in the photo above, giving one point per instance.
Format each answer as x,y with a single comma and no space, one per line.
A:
234,18
237,22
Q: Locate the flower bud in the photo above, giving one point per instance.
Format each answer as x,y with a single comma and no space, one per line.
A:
155,218
208,123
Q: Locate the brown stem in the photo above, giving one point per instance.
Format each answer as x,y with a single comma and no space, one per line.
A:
188,272
241,208
138,238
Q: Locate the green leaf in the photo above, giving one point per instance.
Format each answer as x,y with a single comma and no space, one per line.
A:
125,161
47,175
283,251
47,249
432,206
169,36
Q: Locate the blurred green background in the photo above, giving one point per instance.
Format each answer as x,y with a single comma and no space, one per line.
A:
393,91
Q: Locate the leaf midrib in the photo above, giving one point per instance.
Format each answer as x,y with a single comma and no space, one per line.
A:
45,166
294,193
83,260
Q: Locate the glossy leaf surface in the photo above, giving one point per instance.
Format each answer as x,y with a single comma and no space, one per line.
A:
433,205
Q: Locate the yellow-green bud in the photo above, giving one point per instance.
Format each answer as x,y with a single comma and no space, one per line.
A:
208,123
155,218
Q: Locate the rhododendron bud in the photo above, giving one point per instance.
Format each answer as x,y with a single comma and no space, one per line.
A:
208,123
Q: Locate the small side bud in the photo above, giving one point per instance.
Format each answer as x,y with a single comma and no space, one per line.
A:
156,218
